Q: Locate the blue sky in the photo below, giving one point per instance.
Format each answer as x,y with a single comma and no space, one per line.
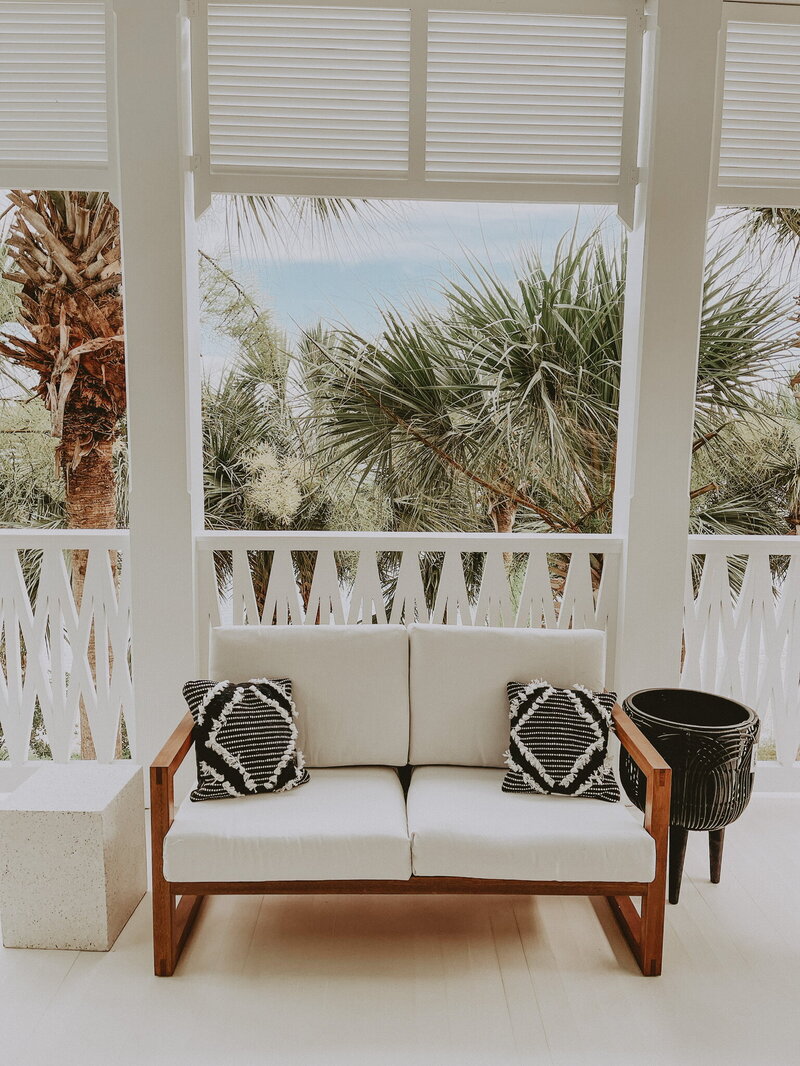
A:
343,277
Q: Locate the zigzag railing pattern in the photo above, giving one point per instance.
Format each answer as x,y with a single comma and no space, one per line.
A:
742,629
59,654
741,617
373,578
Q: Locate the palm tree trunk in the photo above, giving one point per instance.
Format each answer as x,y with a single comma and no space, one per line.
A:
90,488
306,562
503,512
91,504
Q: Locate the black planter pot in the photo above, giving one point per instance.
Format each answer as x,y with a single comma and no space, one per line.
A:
710,743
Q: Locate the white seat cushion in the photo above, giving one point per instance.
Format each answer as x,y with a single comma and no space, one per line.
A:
463,825
459,707
346,823
349,683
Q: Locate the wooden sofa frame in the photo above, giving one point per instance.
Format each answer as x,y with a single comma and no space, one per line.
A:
175,904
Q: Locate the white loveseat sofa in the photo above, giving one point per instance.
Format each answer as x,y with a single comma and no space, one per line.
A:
403,731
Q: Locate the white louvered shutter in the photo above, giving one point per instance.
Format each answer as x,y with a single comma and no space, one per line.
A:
53,83
319,88
760,125
537,96
443,100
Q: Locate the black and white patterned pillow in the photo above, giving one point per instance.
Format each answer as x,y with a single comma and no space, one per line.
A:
559,741
245,738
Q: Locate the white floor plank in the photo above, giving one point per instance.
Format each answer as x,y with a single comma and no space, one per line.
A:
481,981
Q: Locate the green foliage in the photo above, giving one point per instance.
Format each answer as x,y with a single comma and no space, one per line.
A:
9,313
263,465
777,227
260,222
753,468
260,452
502,409
745,326
9,294
750,460
31,488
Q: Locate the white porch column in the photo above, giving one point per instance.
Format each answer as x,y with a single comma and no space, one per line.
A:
162,351
660,342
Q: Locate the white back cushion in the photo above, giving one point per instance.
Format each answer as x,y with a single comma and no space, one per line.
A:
350,685
459,707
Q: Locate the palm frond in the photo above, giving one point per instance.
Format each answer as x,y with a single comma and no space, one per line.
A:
257,222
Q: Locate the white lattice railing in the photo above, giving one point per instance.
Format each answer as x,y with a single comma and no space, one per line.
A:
742,637
59,655
381,577
742,631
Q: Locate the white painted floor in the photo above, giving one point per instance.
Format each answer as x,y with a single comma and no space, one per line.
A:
385,981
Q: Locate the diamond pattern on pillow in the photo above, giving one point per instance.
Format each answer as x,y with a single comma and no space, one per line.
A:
559,741
245,738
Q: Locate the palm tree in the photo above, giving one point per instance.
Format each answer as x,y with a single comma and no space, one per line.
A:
779,225
65,255
264,467
31,491
777,230
63,251
754,465
9,301
510,394
500,411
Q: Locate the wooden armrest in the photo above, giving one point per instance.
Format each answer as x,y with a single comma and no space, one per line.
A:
174,751
656,770
162,790
636,744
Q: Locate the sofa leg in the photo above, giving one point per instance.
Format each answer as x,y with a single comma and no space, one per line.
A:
172,922
163,929
644,933
652,933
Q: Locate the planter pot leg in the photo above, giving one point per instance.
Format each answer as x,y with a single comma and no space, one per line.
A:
716,840
677,853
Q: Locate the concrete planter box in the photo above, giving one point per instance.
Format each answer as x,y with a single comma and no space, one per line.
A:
72,854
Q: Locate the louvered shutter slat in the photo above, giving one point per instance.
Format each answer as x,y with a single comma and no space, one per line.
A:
308,87
53,106
760,125
549,91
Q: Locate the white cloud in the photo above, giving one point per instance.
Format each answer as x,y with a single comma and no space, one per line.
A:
415,231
